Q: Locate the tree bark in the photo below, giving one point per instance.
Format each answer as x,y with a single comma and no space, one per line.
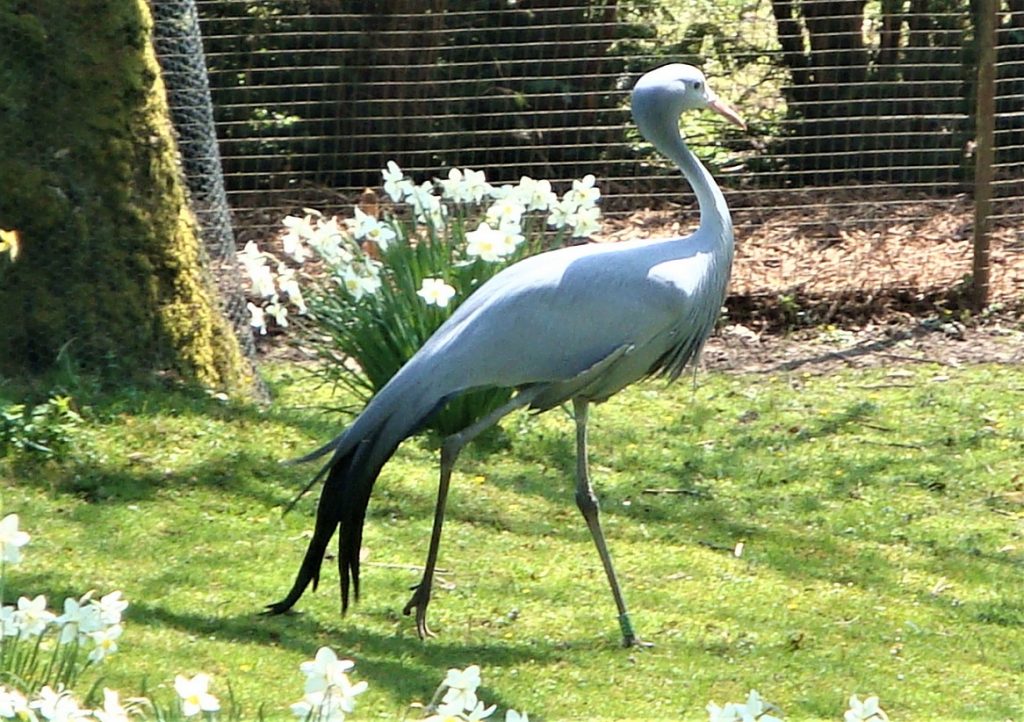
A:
111,272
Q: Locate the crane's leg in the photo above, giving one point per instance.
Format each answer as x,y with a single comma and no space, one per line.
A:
586,500
450,449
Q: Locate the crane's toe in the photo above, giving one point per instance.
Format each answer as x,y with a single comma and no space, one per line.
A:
276,608
632,640
419,601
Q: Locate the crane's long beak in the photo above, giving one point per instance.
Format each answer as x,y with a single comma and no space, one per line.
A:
728,112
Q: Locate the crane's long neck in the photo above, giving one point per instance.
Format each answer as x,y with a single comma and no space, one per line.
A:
715,221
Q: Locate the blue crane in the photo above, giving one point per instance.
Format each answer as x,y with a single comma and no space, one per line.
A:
575,324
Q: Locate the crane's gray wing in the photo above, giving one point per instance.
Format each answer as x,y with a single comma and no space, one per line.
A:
638,308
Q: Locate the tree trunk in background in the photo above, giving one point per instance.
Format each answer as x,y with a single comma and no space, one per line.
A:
870,114
111,271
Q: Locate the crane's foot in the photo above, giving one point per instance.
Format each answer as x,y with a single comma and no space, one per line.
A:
629,638
419,601
634,641
277,608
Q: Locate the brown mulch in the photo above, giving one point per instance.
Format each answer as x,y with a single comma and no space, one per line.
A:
850,256
899,340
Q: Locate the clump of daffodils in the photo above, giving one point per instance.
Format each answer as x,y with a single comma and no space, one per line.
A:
44,653
28,628
373,287
472,219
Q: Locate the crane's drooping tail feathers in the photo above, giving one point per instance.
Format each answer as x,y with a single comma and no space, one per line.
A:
351,475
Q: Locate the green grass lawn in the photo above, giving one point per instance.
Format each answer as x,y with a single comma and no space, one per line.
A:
881,515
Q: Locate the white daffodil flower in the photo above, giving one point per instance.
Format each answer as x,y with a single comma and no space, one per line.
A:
256,318
536,195
352,282
395,184
112,710
329,695
250,253
428,207
422,196
325,670
11,539
462,685
584,192
344,696
370,281
435,216
869,709
319,706
585,221
277,311
14,705
435,292
9,621
757,709
295,248
194,695
255,264
513,716
262,281
480,712
380,233
486,243
507,211
359,284
559,213
476,185
289,285
503,191
368,228
452,187
328,243
80,617
58,706
465,186
111,606
105,641
299,229
32,616
511,237
754,710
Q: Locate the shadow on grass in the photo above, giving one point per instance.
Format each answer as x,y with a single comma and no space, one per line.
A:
401,662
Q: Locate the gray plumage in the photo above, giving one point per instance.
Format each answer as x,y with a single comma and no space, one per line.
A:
575,324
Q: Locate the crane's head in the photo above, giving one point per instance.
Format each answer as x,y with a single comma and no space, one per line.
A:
672,89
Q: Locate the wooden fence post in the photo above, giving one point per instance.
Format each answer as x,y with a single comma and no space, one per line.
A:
984,159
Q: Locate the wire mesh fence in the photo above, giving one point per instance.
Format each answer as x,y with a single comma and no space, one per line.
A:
177,41
856,174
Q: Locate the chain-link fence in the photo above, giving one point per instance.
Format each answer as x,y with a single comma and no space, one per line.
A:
857,173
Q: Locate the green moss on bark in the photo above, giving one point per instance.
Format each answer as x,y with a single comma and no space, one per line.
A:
111,263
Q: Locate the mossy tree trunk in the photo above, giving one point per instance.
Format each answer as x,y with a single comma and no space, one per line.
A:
111,267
